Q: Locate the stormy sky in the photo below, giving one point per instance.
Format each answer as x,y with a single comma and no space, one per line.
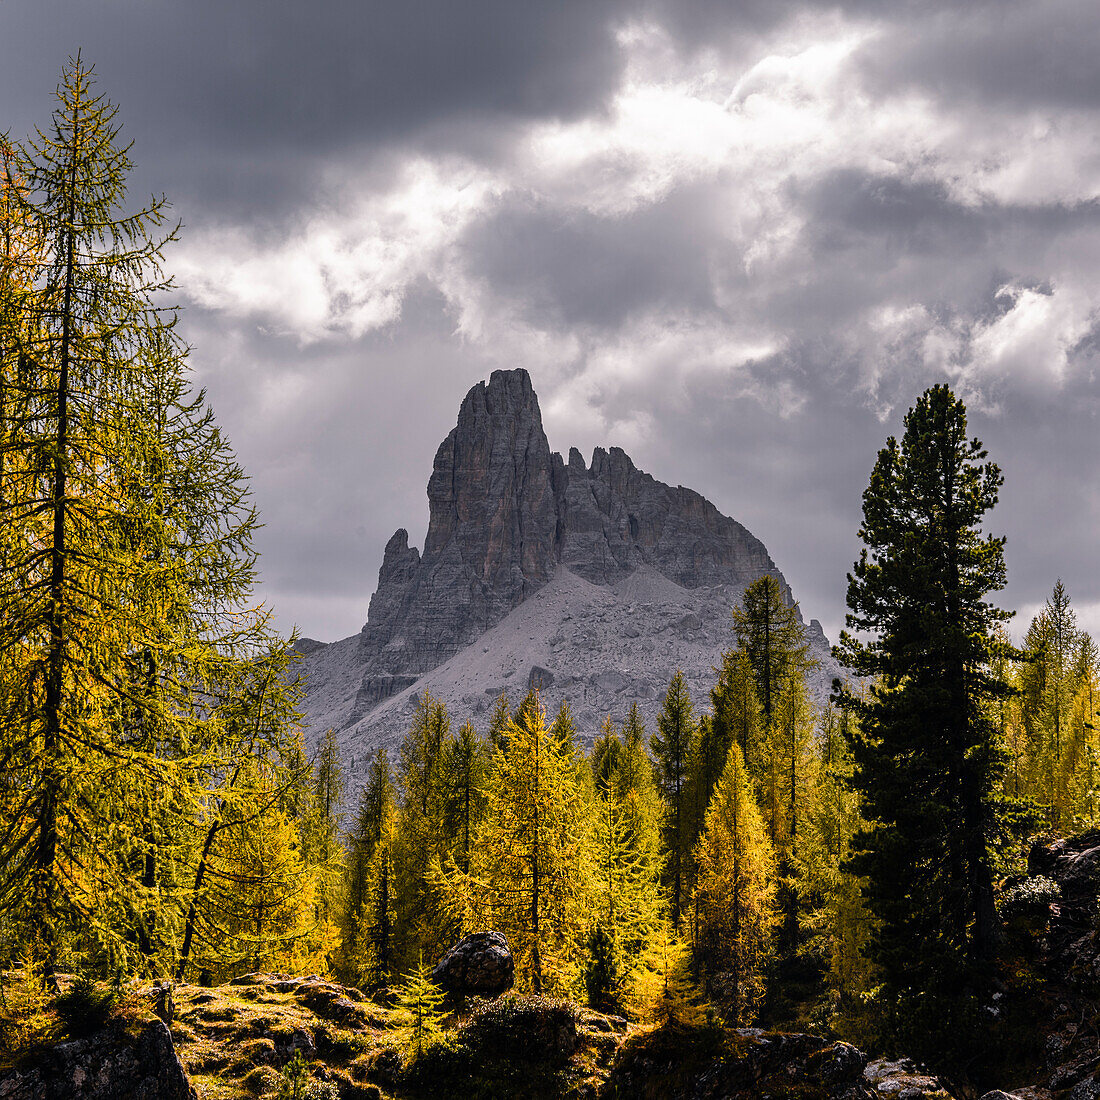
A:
736,239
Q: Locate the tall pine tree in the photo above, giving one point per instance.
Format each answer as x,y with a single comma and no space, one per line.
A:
925,747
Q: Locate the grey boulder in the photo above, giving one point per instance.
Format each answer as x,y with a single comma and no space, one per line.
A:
481,965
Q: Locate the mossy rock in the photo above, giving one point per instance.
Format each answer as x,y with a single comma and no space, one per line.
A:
257,1052
261,1080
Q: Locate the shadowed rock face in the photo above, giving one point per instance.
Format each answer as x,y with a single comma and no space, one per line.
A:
505,512
613,518
109,1065
491,533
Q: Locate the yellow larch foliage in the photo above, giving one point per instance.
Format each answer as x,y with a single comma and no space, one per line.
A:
734,894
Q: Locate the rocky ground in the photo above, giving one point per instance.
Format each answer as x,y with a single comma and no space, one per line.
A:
232,1042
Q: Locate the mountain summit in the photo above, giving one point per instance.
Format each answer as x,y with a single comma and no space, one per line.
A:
644,575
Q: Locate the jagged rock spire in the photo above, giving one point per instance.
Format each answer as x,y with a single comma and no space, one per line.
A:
505,513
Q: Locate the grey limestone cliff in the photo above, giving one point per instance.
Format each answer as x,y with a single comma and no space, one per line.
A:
505,513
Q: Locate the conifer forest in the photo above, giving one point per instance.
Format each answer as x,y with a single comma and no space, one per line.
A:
855,870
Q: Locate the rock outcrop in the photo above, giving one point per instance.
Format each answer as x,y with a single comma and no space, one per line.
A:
492,533
504,512
507,518
1054,914
111,1064
747,1063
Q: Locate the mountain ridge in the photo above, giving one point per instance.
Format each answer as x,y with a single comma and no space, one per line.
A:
510,519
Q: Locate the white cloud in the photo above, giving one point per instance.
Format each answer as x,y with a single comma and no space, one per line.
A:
1030,342
757,135
342,272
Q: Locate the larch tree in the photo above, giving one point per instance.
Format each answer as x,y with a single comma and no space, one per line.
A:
672,745
772,643
1056,679
499,718
257,910
250,735
734,894
420,1001
378,936
127,563
834,916
736,712
626,864
925,748
530,870
632,783
785,785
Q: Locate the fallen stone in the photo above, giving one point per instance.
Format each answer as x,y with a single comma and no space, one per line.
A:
481,965
610,682
539,678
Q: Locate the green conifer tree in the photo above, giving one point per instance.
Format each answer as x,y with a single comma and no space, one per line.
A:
376,809
420,839
464,776
773,639
926,753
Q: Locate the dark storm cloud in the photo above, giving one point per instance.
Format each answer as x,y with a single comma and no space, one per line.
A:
237,99
700,23
1026,54
737,240
911,216
568,267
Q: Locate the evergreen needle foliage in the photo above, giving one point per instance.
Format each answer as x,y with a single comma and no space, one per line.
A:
925,749
421,1001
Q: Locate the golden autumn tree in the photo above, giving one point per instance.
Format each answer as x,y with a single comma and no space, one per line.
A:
530,872
126,563
735,893
834,916
627,862
1056,711
258,908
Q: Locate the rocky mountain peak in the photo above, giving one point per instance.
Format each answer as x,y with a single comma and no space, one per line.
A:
510,520
491,533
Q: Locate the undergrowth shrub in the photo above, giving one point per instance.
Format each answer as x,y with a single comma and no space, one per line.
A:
86,1006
